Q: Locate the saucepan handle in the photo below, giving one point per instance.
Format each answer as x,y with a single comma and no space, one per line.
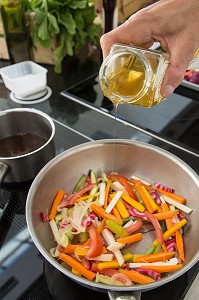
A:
134,295
4,169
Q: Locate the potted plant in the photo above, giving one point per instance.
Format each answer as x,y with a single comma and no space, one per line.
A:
67,24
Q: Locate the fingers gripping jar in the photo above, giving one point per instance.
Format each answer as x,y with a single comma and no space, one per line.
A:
133,75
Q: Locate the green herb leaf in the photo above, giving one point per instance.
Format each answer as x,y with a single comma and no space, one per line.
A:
42,31
78,4
53,25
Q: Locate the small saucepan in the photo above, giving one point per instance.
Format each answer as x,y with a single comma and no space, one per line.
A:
143,160
26,143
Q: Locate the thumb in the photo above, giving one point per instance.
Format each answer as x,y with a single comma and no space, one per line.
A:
179,61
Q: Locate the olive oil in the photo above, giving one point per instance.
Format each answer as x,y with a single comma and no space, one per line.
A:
133,75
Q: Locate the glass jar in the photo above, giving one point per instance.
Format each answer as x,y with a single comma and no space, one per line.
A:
133,75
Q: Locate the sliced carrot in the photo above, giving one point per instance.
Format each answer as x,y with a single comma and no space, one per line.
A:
172,196
160,256
144,198
73,263
133,202
101,212
86,197
180,245
101,225
166,215
108,185
56,202
130,239
168,221
136,276
173,229
150,199
122,209
70,249
162,269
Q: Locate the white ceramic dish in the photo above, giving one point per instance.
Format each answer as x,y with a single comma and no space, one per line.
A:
24,78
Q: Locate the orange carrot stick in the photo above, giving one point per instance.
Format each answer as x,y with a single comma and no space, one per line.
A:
180,245
73,263
168,221
144,198
70,249
56,202
130,239
136,276
101,212
172,196
108,185
162,269
160,256
173,229
166,215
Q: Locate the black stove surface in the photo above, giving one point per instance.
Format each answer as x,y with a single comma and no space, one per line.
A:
24,273
176,119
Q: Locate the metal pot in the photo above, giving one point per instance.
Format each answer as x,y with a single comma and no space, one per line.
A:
20,121
126,157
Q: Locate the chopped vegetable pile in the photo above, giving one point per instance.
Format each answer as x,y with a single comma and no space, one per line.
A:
96,225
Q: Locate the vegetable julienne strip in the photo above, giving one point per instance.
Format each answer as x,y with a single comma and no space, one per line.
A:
168,221
130,239
161,256
77,266
101,212
172,230
136,276
144,198
166,215
108,185
86,197
56,202
180,245
133,202
163,269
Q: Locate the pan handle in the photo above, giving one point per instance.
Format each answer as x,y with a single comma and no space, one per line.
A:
114,295
4,169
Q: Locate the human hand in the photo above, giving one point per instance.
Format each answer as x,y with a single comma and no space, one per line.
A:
174,24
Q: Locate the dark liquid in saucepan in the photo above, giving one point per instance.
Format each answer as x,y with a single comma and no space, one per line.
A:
20,144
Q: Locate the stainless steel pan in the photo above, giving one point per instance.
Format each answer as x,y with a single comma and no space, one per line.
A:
146,161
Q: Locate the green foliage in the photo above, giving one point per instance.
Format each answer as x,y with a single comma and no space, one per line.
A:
70,21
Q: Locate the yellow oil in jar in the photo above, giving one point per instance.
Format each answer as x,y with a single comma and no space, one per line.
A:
126,78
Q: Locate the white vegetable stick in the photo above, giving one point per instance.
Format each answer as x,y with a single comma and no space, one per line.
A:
113,201
143,181
117,186
116,246
129,223
103,257
102,193
109,238
55,230
162,199
182,207
171,262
